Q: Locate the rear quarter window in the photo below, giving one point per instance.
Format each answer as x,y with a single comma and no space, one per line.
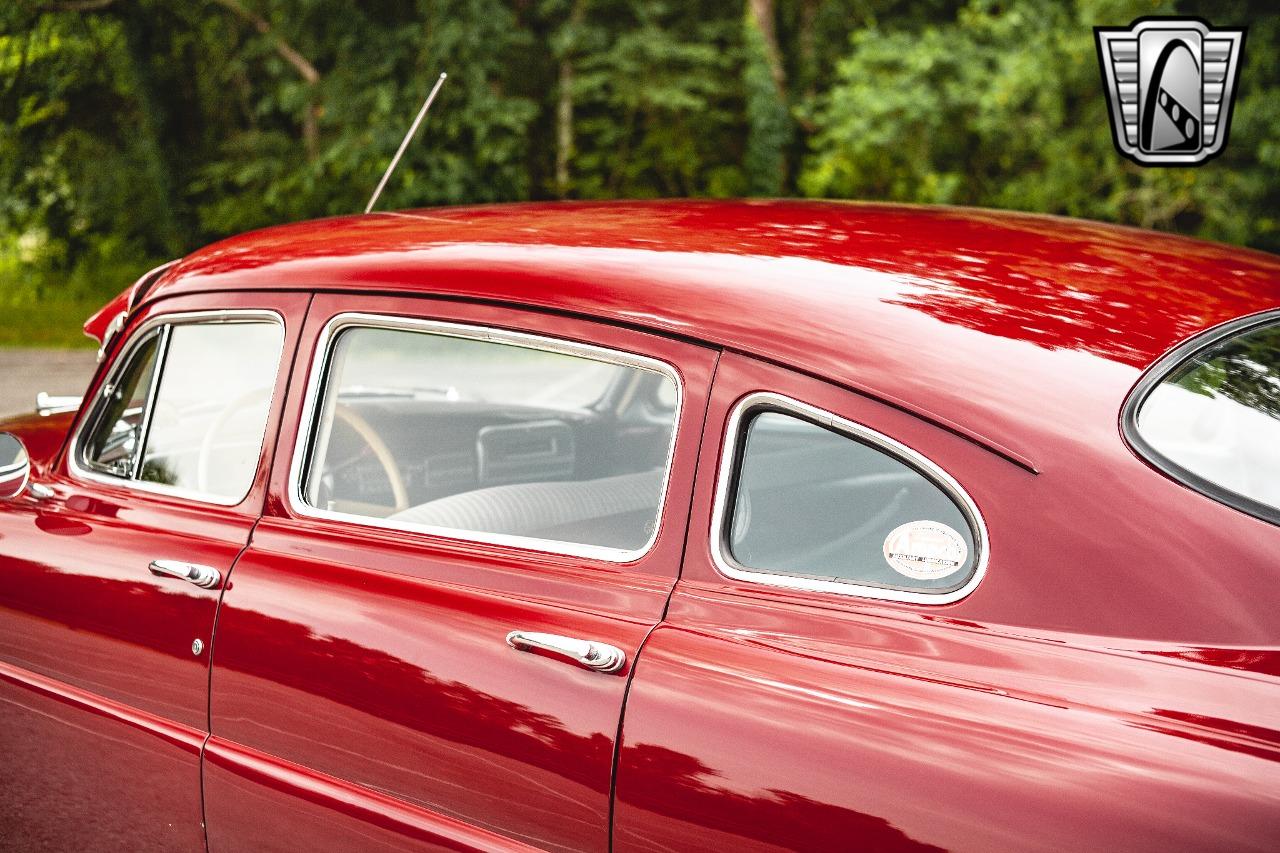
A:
1208,415
812,501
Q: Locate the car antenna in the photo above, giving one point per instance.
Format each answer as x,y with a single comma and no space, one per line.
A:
413,128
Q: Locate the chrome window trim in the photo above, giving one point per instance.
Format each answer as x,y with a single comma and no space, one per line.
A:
1155,376
313,404
729,463
139,336
149,407
94,411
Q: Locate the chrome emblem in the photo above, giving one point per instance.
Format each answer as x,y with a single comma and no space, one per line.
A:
1170,84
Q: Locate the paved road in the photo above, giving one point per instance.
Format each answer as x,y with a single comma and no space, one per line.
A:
24,372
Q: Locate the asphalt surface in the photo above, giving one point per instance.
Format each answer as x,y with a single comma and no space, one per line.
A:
26,372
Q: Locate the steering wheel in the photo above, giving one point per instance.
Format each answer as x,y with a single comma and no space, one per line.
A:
205,460
381,452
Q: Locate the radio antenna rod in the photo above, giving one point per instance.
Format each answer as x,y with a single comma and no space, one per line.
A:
413,128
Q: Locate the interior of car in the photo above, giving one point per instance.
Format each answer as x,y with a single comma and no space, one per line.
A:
188,409
463,452
812,502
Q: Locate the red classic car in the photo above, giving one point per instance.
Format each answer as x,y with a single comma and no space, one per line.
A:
665,526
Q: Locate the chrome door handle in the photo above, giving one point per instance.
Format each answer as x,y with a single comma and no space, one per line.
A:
601,657
40,492
202,576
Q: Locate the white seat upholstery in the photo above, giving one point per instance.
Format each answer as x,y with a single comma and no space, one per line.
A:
536,509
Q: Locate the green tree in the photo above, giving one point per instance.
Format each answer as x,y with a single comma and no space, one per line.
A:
132,131
1003,106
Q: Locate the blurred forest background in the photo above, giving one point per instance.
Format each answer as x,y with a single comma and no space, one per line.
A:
132,131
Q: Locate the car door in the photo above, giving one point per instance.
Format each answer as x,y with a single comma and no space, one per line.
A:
477,514
842,664
110,575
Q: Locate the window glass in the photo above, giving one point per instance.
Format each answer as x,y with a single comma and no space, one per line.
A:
1218,415
112,445
211,407
491,438
814,503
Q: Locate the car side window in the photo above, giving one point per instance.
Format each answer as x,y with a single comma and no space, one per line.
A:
814,501
112,445
1213,420
494,436
188,409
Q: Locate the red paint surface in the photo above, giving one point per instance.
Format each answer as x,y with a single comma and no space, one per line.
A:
993,322
79,772
96,326
42,436
1111,684
309,810
80,611
380,657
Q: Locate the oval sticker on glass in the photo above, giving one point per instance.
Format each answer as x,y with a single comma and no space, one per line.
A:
925,550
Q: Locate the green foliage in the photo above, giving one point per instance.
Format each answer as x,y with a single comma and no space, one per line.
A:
1243,370
656,97
1002,106
132,131
376,70
769,124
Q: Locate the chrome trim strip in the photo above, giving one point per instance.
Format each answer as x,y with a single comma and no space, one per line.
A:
312,405
7,473
149,407
728,469
139,335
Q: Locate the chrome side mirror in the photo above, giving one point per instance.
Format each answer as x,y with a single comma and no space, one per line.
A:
15,467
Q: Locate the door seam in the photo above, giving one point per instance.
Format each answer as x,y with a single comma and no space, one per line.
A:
662,617
248,543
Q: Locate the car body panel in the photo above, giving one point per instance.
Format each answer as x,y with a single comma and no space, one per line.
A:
1062,554
1113,682
933,297
967,726
306,808
80,772
42,435
897,734
379,656
85,625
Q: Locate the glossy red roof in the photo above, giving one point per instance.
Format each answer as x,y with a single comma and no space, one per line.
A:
989,321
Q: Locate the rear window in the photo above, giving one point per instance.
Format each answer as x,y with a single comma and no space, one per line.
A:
1213,419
